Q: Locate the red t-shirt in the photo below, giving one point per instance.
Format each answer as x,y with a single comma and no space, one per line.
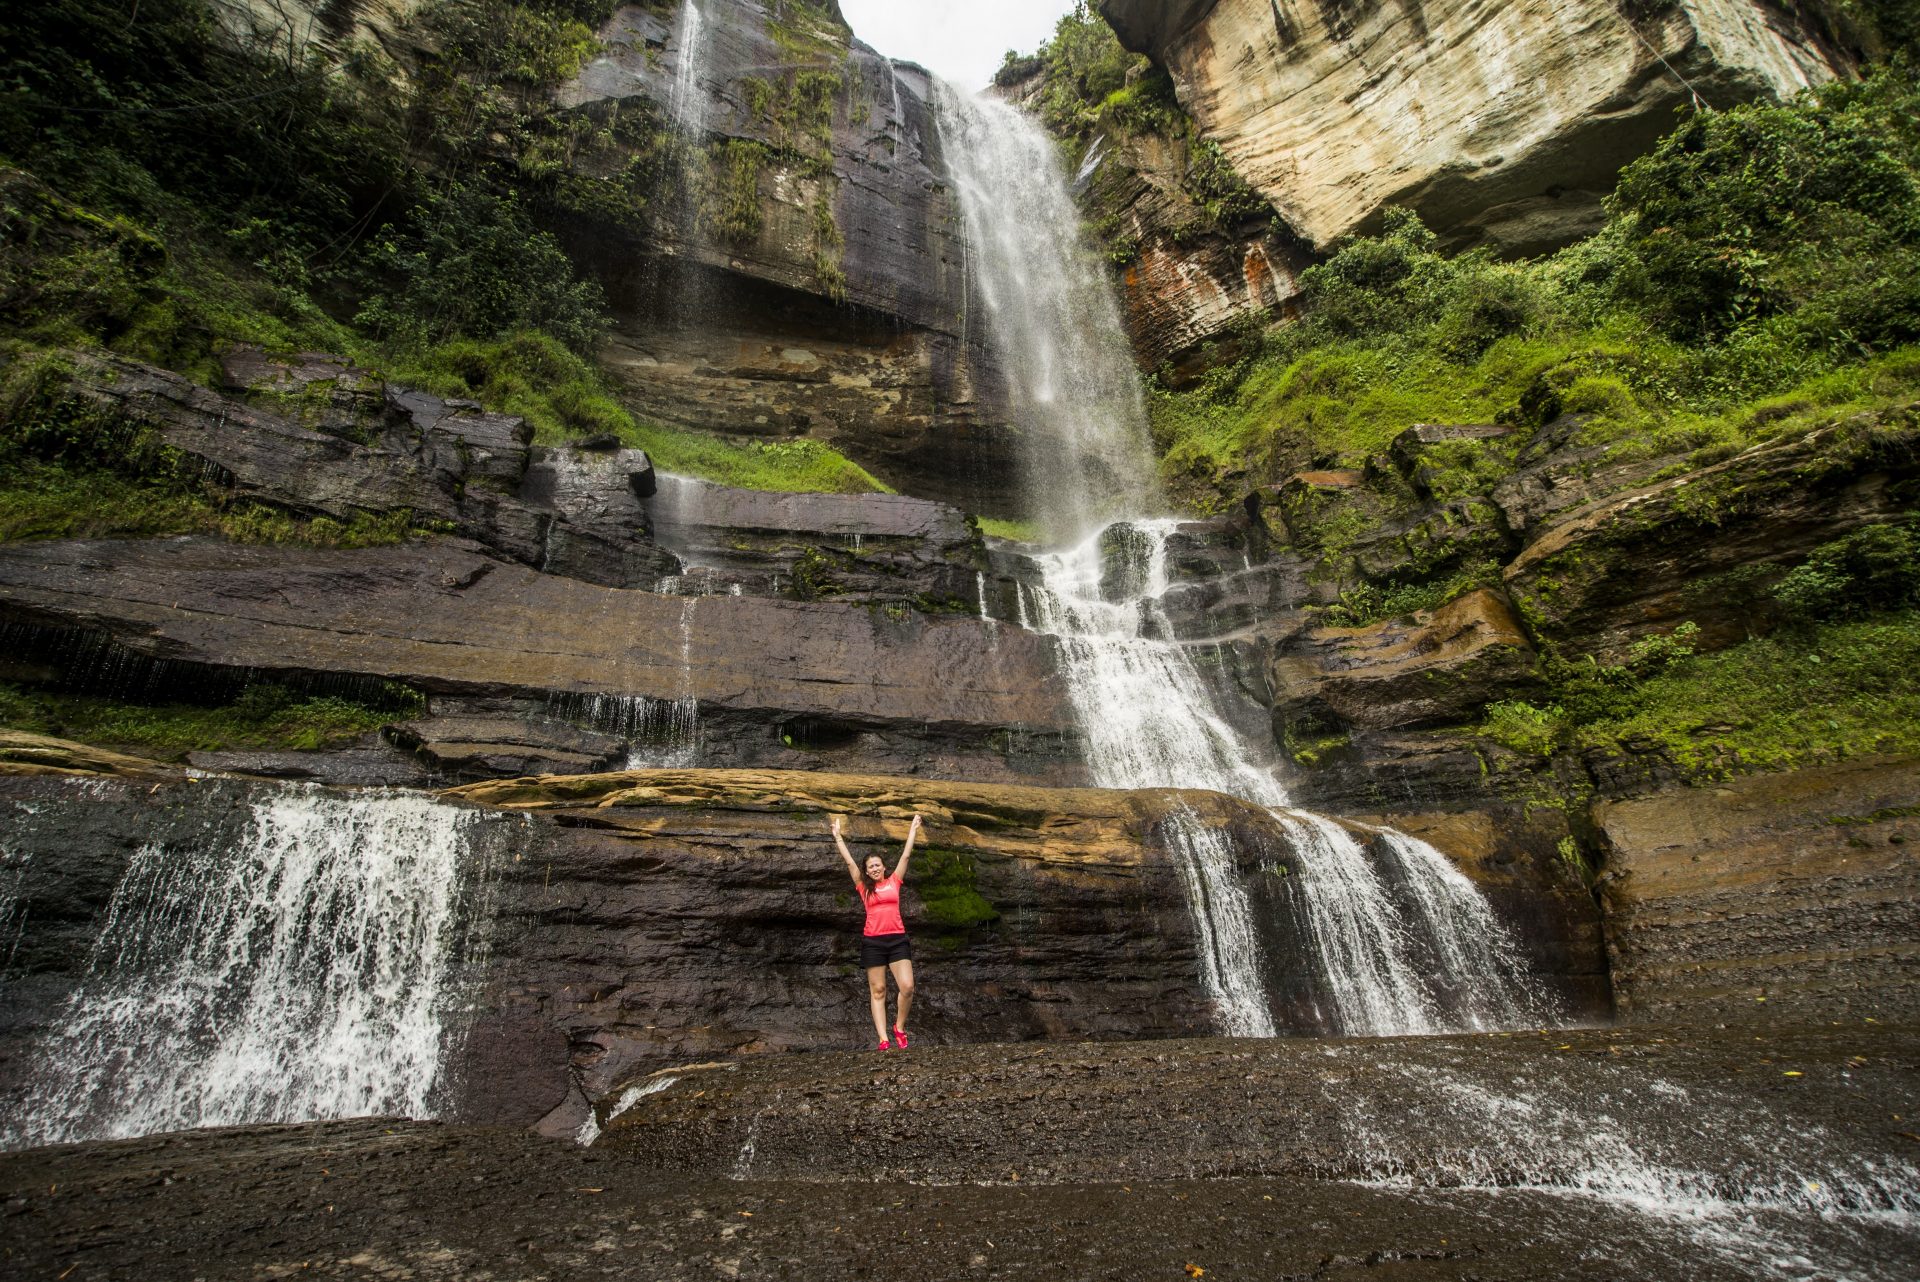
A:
883,908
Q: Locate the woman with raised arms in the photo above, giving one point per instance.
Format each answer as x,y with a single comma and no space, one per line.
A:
884,946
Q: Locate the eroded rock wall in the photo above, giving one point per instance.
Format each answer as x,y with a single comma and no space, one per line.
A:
833,303
1499,122
1776,897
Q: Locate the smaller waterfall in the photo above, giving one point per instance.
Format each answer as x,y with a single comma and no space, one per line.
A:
298,974
1415,952
687,106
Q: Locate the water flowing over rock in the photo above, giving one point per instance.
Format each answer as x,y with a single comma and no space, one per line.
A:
1048,311
1399,940
299,966
1148,719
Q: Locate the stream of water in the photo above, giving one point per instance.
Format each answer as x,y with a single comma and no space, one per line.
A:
301,972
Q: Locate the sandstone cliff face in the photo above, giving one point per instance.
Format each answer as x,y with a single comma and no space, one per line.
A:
1786,896
1501,123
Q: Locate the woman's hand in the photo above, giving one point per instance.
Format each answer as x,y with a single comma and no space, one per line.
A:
836,825
914,828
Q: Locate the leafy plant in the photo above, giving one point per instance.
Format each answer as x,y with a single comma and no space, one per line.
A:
475,267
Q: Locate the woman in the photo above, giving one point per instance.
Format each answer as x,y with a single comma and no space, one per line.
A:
884,947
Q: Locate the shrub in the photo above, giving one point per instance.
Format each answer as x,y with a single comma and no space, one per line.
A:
1871,570
475,267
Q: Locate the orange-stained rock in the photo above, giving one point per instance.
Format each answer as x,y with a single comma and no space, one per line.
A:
1437,668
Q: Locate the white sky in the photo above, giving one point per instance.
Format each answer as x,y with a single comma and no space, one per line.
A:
963,40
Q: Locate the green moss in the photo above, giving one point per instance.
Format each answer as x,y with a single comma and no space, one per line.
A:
47,501
266,717
1796,699
946,881
1014,531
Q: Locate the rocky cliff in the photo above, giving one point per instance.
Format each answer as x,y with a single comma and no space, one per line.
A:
1501,124
638,920
810,281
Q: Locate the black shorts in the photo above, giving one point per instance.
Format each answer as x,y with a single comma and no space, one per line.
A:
884,950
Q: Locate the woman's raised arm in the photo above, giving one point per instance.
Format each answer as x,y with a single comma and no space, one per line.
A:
846,857
913,834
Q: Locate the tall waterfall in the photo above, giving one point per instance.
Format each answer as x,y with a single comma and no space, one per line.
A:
1423,954
1050,316
300,973
688,105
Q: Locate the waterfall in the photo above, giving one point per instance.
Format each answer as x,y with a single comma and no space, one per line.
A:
687,107
1422,955
1052,320
302,972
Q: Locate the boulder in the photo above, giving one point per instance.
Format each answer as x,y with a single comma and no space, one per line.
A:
1768,898
1497,123
1441,667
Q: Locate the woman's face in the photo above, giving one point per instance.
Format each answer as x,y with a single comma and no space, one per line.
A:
876,871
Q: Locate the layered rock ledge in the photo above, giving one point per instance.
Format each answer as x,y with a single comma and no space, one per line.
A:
1502,123
774,682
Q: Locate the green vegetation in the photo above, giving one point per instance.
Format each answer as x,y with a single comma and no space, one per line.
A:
1760,272
947,883
43,501
267,717
790,466
1797,698
1836,681
1015,531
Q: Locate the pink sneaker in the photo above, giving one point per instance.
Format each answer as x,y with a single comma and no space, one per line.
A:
884,1046
899,1039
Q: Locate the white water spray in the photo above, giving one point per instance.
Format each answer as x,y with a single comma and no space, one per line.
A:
301,973
688,107
1052,318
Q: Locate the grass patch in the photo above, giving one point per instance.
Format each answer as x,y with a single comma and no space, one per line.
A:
798,467
266,717
1013,531
1802,697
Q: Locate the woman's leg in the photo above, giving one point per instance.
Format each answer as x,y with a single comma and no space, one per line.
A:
877,999
903,980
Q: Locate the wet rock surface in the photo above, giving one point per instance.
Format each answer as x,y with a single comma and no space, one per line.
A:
392,1198
884,548
1790,894
650,917
952,696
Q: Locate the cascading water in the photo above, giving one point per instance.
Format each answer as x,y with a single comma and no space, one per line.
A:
1441,962
303,972
1147,716
688,107
1051,318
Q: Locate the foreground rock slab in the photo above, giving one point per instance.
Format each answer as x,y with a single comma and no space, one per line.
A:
379,1199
